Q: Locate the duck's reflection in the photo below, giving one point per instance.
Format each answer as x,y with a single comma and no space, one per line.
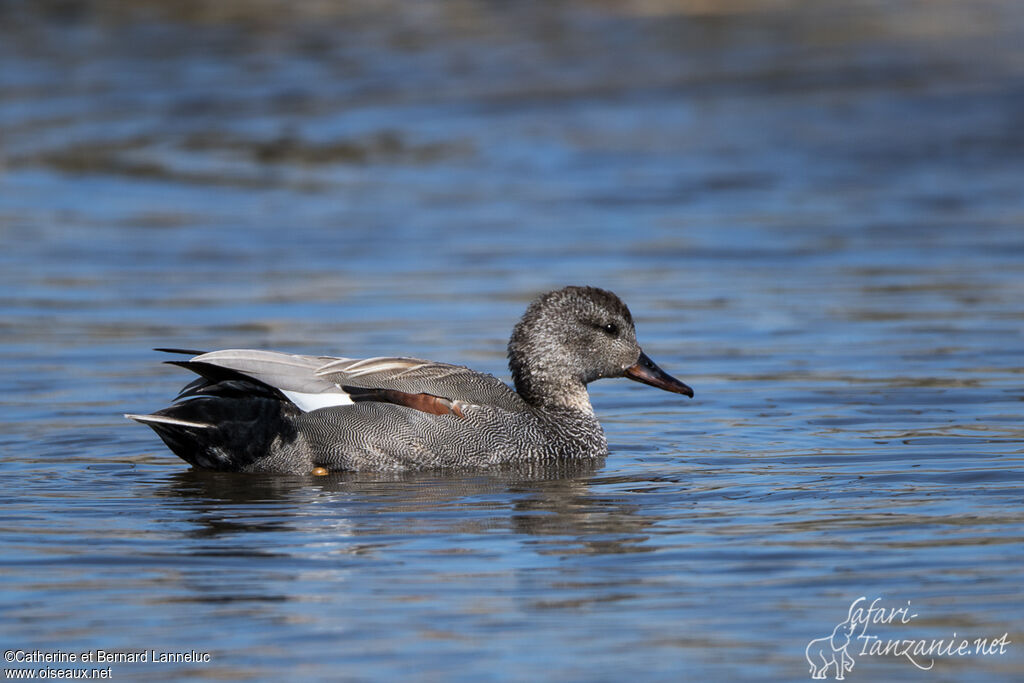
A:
551,500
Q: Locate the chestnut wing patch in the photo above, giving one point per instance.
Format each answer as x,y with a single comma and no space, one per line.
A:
427,403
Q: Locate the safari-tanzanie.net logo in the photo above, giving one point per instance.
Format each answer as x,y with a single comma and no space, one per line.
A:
836,654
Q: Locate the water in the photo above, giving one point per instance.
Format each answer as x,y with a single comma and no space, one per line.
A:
814,212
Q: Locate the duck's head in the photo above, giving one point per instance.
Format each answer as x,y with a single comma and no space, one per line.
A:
573,336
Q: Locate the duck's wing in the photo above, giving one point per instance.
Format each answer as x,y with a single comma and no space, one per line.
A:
424,379
312,382
294,376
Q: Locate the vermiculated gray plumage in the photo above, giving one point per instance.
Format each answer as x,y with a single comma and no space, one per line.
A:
264,411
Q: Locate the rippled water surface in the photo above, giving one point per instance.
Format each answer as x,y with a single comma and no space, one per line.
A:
814,211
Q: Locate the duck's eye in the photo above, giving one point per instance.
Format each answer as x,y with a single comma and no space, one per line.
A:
611,328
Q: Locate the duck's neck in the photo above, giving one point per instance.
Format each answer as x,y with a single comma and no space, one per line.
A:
563,393
560,398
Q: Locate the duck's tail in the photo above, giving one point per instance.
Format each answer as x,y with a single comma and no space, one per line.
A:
226,420
189,439
226,434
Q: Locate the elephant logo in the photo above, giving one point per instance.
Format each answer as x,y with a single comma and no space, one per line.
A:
823,653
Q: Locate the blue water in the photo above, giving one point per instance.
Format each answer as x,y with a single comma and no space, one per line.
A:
814,212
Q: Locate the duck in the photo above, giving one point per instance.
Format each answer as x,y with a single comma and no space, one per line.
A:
260,411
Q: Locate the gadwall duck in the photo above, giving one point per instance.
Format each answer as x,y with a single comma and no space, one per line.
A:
264,411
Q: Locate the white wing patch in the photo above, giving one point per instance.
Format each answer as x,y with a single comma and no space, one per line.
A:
308,402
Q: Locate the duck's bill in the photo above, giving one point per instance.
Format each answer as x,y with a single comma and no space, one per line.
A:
648,372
